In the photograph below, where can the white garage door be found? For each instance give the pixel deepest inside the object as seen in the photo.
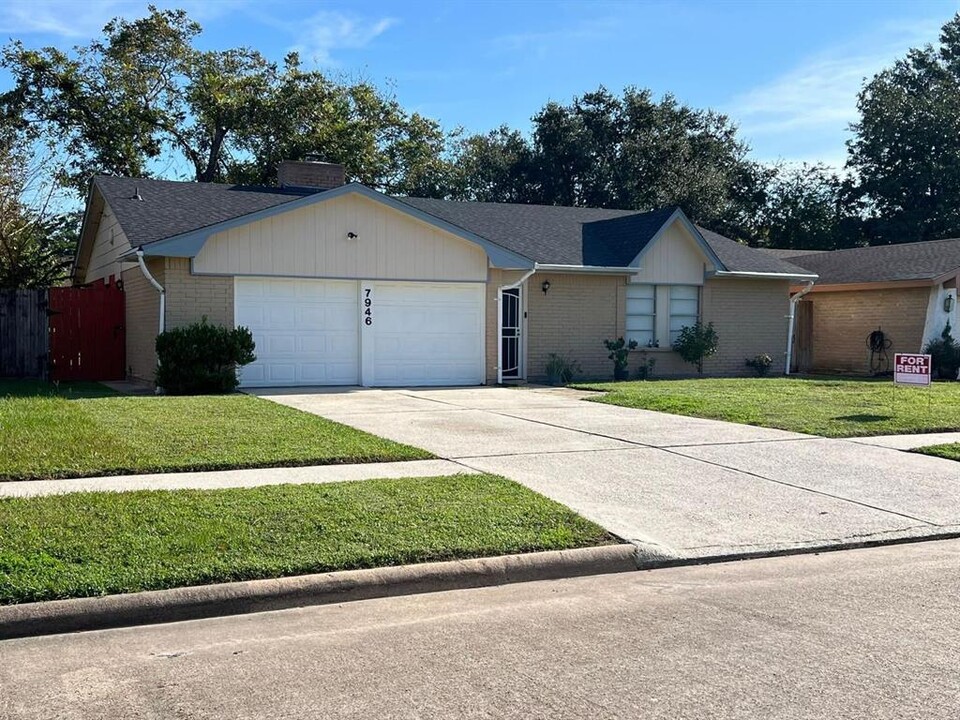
(306, 331)
(422, 333)
(379, 334)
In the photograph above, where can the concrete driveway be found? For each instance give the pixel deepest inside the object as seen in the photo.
(684, 487)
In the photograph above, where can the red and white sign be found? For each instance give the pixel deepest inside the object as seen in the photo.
(912, 369)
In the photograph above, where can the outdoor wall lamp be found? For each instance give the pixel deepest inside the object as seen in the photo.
(948, 302)
(545, 285)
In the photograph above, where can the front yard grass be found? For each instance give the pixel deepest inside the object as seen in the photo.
(48, 434)
(830, 406)
(950, 451)
(87, 544)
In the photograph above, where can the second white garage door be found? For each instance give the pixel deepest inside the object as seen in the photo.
(379, 334)
(422, 334)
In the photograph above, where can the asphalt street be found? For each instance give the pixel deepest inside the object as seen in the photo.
(854, 634)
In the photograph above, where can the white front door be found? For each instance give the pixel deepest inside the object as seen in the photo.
(305, 331)
(422, 333)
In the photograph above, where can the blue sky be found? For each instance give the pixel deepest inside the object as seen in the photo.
(786, 72)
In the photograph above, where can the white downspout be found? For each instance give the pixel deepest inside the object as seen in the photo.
(153, 281)
(500, 290)
(793, 314)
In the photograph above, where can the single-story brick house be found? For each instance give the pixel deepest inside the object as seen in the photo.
(343, 285)
(907, 291)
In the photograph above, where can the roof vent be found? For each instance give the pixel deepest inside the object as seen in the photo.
(310, 173)
(136, 193)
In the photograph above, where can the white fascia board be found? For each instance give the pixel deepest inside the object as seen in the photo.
(771, 275)
(587, 269)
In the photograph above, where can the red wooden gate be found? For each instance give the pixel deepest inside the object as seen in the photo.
(87, 339)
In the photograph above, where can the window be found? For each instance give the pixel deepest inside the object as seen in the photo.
(684, 308)
(641, 314)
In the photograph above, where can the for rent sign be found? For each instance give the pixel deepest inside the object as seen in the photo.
(912, 369)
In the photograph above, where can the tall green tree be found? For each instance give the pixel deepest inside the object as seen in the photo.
(629, 151)
(806, 209)
(143, 93)
(906, 145)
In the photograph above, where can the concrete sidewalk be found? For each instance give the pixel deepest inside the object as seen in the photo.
(909, 442)
(688, 487)
(233, 478)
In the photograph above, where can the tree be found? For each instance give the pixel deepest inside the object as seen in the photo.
(906, 144)
(36, 245)
(805, 209)
(696, 343)
(629, 151)
(144, 93)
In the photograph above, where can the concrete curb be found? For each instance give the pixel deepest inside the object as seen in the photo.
(204, 601)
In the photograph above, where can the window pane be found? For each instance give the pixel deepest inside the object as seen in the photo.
(684, 307)
(640, 322)
(640, 306)
(640, 291)
(684, 292)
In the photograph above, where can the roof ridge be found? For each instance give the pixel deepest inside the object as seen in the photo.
(912, 243)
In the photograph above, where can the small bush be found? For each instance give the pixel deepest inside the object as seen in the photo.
(945, 355)
(620, 354)
(202, 359)
(760, 364)
(696, 343)
(561, 370)
(645, 367)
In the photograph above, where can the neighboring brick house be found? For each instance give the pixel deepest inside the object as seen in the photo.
(906, 291)
(343, 285)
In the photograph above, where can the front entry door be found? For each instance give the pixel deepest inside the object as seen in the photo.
(511, 319)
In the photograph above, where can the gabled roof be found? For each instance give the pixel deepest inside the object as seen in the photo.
(175, 218)
(170, 208)
(885, 263)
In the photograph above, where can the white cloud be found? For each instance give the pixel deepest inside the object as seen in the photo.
(818, 98)
(84, 20)
(320, 35)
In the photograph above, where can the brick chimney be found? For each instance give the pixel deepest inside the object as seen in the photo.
(310, 173)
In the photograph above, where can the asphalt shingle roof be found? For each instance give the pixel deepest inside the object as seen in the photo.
(169, 208)
(547, 234)
(884, 263)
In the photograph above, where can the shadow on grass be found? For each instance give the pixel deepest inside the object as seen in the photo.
(864, 418)
(40, 389)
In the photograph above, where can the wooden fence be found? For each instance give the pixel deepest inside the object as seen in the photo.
(24, 340)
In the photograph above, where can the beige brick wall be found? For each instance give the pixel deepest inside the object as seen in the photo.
(750, 317)
(843, 320)
(573, 319)
(190, 297)
(581, 311)
(142, 309)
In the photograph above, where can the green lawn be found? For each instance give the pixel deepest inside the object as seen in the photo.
(86, 544)
(950, 451)
(46, 434)
(831, 407)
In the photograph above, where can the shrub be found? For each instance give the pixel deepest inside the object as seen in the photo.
(645, 368)
(696, 343)
(760, 363)
(944, 352)
(620, 354)
(561, 370)
(202, 359)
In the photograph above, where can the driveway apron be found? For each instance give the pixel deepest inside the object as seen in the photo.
(683, 487)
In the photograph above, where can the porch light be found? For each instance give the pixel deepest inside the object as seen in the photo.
(948, 302)
(545, 285)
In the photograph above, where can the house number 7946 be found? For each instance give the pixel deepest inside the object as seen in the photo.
(367, 307)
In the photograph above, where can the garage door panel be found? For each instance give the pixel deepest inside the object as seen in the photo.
(426, 334)
(305, 330)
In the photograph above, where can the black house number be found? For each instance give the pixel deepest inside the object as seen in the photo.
(367, 307)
